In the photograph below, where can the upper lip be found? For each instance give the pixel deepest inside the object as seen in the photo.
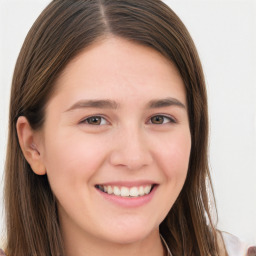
(128, 183)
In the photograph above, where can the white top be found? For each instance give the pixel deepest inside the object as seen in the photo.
(233, 245)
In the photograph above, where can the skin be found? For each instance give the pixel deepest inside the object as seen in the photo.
(128, 144)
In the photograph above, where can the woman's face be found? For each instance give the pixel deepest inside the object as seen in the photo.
(116, 141)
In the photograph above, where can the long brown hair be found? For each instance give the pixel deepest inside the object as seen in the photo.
(60, 33)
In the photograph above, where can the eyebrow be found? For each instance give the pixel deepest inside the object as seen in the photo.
(94, 104)
(160, 103)
(110, 104)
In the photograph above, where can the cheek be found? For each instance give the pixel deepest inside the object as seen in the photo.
(174, 156)
(73, 157)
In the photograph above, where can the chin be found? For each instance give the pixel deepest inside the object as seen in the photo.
(127, 234)
(129, 238)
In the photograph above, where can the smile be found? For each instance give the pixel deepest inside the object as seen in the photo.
(136, 191)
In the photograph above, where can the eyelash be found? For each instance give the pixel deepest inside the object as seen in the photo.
(164, 117)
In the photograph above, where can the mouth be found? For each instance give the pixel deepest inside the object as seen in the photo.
(132, 192)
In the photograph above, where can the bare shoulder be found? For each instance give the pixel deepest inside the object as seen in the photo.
(251, 251)
(2, 253)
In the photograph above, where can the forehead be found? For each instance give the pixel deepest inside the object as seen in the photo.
(121, 68)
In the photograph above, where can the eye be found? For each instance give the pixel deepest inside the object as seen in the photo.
(94, 120)
(160, 119)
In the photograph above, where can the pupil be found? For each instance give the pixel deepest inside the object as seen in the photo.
(158, 119)
(94, 120)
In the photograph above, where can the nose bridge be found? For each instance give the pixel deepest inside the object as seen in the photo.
(131, 148)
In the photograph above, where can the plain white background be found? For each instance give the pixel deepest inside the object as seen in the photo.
(225, 35)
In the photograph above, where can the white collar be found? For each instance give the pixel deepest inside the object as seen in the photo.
(166, 246)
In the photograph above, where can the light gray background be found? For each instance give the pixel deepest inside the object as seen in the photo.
(225, 35)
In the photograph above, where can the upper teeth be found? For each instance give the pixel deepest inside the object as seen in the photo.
(125, 191)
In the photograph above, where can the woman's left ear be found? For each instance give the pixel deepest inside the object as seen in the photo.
(29, 141)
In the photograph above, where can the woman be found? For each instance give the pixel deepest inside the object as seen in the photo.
(108, 135)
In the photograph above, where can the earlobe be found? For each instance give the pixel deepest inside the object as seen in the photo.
(29, 146)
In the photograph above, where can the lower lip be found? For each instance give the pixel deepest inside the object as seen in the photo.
(129, 201)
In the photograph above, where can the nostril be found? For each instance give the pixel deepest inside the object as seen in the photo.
(131, 156)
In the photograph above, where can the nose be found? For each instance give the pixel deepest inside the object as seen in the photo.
(131, 149)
